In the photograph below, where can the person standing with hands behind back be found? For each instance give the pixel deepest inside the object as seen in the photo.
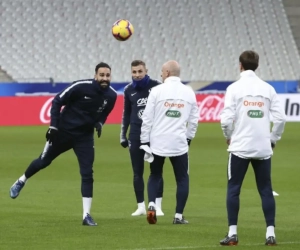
(245, 121)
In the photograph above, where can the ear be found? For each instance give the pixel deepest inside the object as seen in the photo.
(241, 67)
(146, 71)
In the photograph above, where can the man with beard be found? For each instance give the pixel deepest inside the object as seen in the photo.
(135, 99)
(87, 104)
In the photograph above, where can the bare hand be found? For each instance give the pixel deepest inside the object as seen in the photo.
(228, 141)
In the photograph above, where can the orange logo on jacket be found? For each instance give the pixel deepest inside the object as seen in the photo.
(258, 104)
(174, 105)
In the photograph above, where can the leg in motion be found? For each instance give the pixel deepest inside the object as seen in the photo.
(50, 152)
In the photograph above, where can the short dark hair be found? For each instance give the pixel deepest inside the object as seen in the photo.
(137, 63)
(102, 65)
(249, 60)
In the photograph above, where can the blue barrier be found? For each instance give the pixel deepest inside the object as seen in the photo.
(38, 89)
(281, 87)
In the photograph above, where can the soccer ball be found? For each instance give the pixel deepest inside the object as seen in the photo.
(122, 30)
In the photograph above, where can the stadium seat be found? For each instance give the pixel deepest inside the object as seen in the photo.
(66, 39)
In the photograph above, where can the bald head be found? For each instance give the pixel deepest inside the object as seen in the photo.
(170, 68)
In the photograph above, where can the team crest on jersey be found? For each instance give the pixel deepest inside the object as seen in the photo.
(140, 113)
(102, 107)
(142, 101)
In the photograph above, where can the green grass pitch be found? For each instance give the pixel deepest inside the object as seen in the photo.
(48, 212)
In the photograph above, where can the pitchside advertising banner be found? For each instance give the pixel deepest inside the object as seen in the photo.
(31, 110)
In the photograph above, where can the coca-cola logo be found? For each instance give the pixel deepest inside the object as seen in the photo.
(45, 111)
(210, 107)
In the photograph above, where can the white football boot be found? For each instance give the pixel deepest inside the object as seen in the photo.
(140, 211)
(159, 212)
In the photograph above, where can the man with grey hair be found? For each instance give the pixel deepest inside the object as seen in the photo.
(170, 122)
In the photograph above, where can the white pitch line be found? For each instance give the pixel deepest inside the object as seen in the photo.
(211, 246)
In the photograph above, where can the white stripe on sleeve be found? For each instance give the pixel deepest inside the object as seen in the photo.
(113, 89)
(73, 85)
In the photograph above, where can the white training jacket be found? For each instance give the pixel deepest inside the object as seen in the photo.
(170, 117)
(245, 119)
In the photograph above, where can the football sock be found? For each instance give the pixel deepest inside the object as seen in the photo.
(87, 203)
(178, 216)
(158, 202)
(141, 205)
(151, 204)
(270, 231)
(23, 178)
(232, 230)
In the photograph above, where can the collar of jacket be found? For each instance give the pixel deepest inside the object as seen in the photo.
(247, 73)
(98, 87)
(172, 79)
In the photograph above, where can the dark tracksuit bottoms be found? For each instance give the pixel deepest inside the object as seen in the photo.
(137, 162)
(83, 147)
(181, 170)
(236, 171)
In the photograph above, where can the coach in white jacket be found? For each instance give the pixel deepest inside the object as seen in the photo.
(170, 122)
(245, 121)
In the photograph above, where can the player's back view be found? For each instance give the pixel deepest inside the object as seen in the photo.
(253, 101)
(170, 122)
(245, 121)
(173, 106)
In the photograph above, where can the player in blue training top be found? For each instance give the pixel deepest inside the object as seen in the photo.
(87, 104)
(135, 99)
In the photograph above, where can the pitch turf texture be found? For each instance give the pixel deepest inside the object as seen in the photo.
(48, 212)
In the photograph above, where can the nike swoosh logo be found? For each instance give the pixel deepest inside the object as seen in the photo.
(86, 97)
(133, 94)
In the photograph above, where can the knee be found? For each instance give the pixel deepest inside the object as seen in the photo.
(182, 179)
(138, 171)
(86, 174)
(183, 183)
(137, 175)
(234, 190)
(157, 176)
(265, 191)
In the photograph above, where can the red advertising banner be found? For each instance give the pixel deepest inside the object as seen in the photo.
(35, 110)
(210, 107)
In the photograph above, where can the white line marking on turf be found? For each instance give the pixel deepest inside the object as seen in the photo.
(211, 246)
